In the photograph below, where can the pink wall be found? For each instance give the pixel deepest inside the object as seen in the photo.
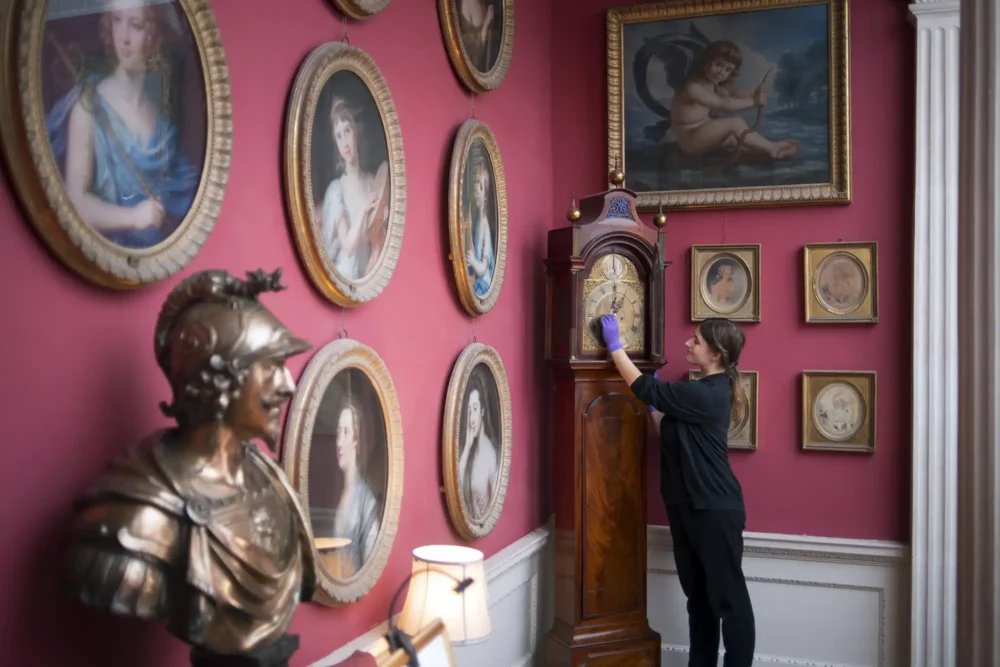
(80, 382)
(787, 490)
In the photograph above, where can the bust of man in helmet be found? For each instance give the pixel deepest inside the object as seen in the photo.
(196, 525)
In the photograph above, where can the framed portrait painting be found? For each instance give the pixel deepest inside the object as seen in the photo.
(343, 453)
(725, 282)
(730, 103)
(477, 217)
(742, 425)
(479, 37)
(476, 445)
(345, 174)
(838, 411)
(361, 9)
(117, 130)
(841, 282)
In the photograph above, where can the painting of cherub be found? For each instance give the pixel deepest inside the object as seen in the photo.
(126, 114)
(712, 102)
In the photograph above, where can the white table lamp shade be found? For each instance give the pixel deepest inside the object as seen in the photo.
(437, 570)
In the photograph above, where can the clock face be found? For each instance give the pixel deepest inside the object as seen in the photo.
(613, 286)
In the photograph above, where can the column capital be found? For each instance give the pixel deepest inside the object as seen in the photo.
(935, 10)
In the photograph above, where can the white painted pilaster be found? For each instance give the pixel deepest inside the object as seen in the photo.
(934, 517)
(979, 339)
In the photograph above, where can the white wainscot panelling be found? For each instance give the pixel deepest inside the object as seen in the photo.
(519, 580)
(818, 602)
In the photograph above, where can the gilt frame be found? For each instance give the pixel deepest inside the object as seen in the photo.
(865, 385)
(360, 10)
(477, 82)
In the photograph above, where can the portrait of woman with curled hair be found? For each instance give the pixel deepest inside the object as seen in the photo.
(479, 433)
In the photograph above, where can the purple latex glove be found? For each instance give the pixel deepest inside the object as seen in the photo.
(650, 409)
(609, 330)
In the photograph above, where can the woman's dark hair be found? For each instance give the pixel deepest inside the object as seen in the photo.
(726, 339)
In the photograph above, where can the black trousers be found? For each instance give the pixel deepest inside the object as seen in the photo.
(708, 549)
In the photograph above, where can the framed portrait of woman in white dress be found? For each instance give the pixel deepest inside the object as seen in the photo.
(117, 130)
(477, 217)
(345, 175)
(476, 444)
(343, 453)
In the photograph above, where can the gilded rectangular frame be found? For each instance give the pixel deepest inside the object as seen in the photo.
(751, 442)
(421, 640)
(837, 191)
(866, 255)
(863, 442)
(749, 256)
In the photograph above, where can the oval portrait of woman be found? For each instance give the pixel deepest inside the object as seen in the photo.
(345, 174)
(480, 38)
(477, 436)
(726, 284)
(128, 142)
(478, 217)
(840, 283)
(344, 455)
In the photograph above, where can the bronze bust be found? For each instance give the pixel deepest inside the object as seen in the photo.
(196, 525)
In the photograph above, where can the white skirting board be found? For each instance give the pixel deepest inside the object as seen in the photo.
(519, 581)
(818, 602)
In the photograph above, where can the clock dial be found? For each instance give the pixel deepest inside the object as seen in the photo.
(625, 301)
(614, 267)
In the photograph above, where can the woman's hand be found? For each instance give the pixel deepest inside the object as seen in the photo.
(149, 213)
(609, 330)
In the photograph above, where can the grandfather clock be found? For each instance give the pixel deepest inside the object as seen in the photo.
(605, 261)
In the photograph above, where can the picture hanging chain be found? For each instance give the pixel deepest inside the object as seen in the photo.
(472, 97)
(343, 329)
(474, 329)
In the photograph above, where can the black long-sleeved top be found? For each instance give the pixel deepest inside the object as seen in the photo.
(694, 454)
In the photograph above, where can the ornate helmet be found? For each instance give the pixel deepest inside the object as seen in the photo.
(211, 329)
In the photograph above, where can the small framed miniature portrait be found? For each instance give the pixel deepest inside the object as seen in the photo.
(841, 282)
(360, 10)
(838, 411)
(742, 425)
(725, 282)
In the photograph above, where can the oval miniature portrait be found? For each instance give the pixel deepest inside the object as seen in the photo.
(343, 454)
(480, 39)
(739, 422)
(478, 217)
(726, 283)
(840, 283)
(476, 447)
(839, 411)
(344, 174)
(361, 9)
(128, 131)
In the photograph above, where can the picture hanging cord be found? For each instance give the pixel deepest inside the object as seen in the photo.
(345, 40)
(474, 329)
(343, 329)
(472, 98)
(725, 227)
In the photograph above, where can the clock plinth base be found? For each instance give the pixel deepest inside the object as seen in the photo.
(635, 652)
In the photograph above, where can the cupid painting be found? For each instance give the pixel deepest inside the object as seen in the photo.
(727, 101)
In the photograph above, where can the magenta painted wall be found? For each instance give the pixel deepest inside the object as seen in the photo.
(79, 379)
(787, 490)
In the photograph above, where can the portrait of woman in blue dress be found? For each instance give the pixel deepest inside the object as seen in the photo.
(114, 133)
(480, 219)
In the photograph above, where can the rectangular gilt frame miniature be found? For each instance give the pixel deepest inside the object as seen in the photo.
(863, 439)
(859, 256)
(746, 439)
(429, 643)
(747, 259)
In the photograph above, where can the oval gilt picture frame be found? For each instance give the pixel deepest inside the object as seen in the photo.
(477, 218)
(343, 454)
(361, 9)
(119, 152)
(476, 444)
(343, 144)
(479, 38)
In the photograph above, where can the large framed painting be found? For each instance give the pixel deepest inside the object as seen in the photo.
(477, 217)
(343, 453)
(345, 174)
(743, 424)
(361, 9)
(476, 443)
(117, 130)
(838, 411)
(479, 37)
(730, 103)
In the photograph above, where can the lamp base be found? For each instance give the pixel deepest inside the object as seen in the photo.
(641, 652)
(275, 655)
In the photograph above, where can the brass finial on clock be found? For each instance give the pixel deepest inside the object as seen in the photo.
(660, 219)
(573, 214)
(616, 176)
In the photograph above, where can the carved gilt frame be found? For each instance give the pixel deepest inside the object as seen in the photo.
(476, 81)
(837, 191)
(471, 131)
(461, 517)
(360, 9)
(324, 61)
(319, 373)
(35, 174)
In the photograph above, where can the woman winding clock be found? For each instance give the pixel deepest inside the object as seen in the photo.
(703, 497)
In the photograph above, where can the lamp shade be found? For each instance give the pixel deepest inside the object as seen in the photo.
(437, 570)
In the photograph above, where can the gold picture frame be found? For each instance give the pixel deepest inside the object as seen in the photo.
(432, 645)
(476, 154)
(841, 282)
(170, 199)
(481, 67)
(839, 411)
(477, 377)
(340, 85)
(701, 176)
(725, 282)
(360, 9)
(743, 429)
(340, 390)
